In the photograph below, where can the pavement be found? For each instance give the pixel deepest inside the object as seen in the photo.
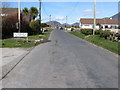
(11, 57)
(65, 62)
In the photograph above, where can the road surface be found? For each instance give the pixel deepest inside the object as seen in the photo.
(65, 62)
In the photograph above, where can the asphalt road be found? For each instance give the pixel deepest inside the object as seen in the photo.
(65, 62)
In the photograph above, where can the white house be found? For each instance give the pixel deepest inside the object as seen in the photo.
(109, 23)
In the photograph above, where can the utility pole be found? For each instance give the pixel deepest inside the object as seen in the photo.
(94, 26)
(50, 20)
(19, 24)
(40, 13)
(66, 22)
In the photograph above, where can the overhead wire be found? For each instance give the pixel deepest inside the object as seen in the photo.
(70, 13)
(44, 9)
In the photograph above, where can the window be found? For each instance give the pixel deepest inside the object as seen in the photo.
(86, 25)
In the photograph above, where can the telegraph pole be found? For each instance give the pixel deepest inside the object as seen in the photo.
(66, 22)
(94, 26)
(50, 20)
(40, 13)
(19, 24)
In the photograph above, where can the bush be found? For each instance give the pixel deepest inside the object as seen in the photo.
(97, 32)
(117, 35)
(87, 31)
(35, 26)
(105, 34)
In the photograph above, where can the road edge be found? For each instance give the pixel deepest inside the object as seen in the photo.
(6, 69)
(96, 45)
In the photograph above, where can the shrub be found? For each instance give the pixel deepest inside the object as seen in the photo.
(105, 34)
(87, 31)
(97, 32)
(35, 26)
(117, 35)
(44, 25)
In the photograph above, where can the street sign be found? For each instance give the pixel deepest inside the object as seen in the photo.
(20, 35)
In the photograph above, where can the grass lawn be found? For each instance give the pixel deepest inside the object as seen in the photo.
(97, 40)
(107, 44)
(36, 36)
(11, 43)
(80, 35)
(16, 43)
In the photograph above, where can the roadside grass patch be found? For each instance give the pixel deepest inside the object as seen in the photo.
(36, 36)
(78, 34)
(97, 40)
(14, 42)
(0, 43)
(107, 44)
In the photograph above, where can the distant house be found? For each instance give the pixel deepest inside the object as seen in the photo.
(109, 23)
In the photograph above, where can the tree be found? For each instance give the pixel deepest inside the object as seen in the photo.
(35, 26)
(25, 11)
(33, 13)
(44, 25)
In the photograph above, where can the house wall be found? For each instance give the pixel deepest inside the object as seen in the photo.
(88, 27)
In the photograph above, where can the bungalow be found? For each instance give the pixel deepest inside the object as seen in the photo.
(109, 23)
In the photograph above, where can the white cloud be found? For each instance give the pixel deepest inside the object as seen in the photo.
(77, 19)
(58, 18)
(77, 9)
(88, 11)
(46, 18)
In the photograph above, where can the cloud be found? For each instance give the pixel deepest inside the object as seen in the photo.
(77, 19)
(88, 11)
(77, 9)
(58, 18)
(45, 18)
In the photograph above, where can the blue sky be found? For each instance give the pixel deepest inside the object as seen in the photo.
(74, 10)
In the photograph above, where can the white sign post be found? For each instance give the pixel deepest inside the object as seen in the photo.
(21, 35)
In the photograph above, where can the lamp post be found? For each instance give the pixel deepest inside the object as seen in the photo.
(94, 26)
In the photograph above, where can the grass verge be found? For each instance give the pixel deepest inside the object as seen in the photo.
(21, 42)
(78, 34)
(97, 40)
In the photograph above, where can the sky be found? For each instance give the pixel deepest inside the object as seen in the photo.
(74, 10)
